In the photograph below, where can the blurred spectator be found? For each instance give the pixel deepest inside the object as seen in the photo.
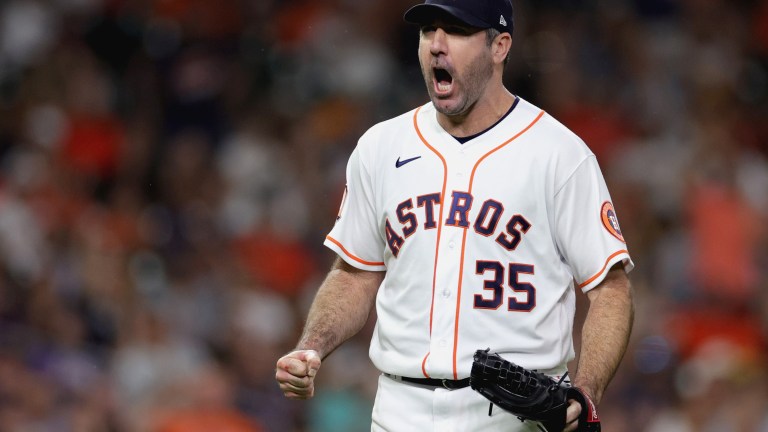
(201, 404)
(148, 365)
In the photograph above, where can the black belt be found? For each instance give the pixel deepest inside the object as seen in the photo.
(434, 382)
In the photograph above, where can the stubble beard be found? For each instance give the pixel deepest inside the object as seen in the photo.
(472, 84)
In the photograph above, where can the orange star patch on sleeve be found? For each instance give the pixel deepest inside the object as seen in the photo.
(610, 221)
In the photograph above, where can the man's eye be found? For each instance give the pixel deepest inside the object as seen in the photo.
(456, 30)
(427, 29)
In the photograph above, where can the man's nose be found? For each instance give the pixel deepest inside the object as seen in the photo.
(438, 45)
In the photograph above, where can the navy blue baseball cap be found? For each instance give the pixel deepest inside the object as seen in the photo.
(476, 13)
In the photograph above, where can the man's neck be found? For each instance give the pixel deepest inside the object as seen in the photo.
(485, 112)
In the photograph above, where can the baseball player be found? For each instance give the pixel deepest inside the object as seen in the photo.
(469, 223)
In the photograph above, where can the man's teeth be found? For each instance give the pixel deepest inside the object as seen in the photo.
(443, 86)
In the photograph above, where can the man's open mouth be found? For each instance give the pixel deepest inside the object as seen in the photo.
(443, 80)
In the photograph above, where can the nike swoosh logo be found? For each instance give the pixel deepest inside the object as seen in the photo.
(399, 163)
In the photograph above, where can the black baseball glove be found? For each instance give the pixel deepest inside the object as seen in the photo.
(528, 394)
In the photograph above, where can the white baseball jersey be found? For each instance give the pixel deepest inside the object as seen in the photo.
(482, 242)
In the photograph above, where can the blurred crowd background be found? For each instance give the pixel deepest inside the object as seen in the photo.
(169, 169)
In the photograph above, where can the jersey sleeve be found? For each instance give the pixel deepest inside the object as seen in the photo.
(588, 234)
(355, 236)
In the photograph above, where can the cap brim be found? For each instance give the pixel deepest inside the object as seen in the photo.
(422, 14)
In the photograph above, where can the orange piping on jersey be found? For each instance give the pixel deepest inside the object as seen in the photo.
(440, 217)
(464, 240)
(347, 253)
(424, 365)
(472, 177)
(588, 281)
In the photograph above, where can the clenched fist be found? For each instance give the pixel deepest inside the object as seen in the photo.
(296, 373)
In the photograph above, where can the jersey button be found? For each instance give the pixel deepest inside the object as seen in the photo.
(451, 245)
(446, 293)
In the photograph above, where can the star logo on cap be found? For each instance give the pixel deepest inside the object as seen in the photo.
(502, 21)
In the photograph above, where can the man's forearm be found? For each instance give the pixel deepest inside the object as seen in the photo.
(605, 333)
(340, 308)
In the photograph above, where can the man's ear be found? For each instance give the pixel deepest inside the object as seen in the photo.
(500, 47)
